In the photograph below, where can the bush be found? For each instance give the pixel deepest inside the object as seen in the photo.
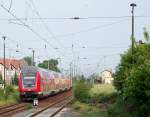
(103, 93)
(124, 108)
(1, 79)
(8, 95)
(81, 91)
(133, 83)
(15, 79)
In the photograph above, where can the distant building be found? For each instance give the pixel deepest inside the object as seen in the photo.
(12, 66)
(107, 77)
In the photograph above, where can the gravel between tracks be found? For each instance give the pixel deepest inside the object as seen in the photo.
(43, 103)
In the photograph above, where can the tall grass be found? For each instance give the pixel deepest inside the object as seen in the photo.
(9, 95)
(87, 110)
(93, 100)
(98, 89)
(81, 91)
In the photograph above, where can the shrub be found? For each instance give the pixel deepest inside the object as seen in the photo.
(133, 83)
(81, 91)
(15, 79)
(8, 95)
(1, 79)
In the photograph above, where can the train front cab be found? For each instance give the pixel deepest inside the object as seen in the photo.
(29, 85)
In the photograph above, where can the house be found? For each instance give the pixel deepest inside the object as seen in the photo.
(107, 76)
(12, 66)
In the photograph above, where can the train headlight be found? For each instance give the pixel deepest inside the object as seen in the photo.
(39, 93)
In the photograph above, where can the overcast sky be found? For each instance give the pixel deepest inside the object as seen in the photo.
(99, 40)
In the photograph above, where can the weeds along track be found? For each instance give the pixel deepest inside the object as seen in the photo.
(6, 111)
(58, 101)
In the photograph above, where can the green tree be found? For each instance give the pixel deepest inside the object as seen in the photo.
(28, 60)
(124, 69)
(51, 64)
(1, 79)
(132, 80)
(15, 79)
(146, 35)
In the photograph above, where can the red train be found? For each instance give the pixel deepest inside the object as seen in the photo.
(35, 82)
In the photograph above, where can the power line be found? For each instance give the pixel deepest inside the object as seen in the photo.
(99, 62)
(11, 1)
(28, 27)
(43, 22)
(73, 18)
(93, 28)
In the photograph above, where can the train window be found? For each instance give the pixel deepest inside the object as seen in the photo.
(56, 75)
(63, 76)
(29, 71)
(29, 81)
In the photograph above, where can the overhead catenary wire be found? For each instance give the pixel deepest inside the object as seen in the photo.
(21, 24)
(11, 1)
(28, 27)
(93, 28)
(43, 22)
(99, 62)
(74, 18)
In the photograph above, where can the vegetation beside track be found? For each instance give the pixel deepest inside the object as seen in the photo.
(9, 95)
(87, 110)
(93, 100)
(132, 81)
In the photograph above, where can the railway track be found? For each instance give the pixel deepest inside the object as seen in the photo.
(57, 101)
(61, 106)
(58, 104)
(6, 111)
(54, 107)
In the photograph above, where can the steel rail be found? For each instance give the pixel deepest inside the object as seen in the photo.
(57, 111)
(49, 106)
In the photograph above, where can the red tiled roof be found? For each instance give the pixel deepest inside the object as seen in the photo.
(13, 62)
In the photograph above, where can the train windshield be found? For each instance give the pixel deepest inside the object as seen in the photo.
(29, 81)
(29, 76)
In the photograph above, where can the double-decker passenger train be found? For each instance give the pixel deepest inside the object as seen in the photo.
(35, 82)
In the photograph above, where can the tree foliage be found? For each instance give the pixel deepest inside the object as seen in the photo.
(127, 66)
(146, 35)
(15, 79)
(28, 60)
(132, 79)
(1, 79)
(51, 64)
(81, 90)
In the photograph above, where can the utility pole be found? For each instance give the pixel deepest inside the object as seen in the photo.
(33, 58)
(70, 69)
(132, 37)
(4, 61)
(72, 61)
(104, 62)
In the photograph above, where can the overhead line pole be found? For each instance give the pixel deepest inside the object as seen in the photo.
(4, 38)
(132, 36)
(33, 58)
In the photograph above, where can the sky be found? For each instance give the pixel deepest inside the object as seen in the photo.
(92, 43)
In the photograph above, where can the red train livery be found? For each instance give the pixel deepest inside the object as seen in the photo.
(35, 82)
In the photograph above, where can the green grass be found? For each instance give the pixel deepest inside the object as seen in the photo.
(7, 102)
(10, 96)
(93, 114)
(83, 107)
(29, 106)
(100, 95)
(102, 89)
(87, 110)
